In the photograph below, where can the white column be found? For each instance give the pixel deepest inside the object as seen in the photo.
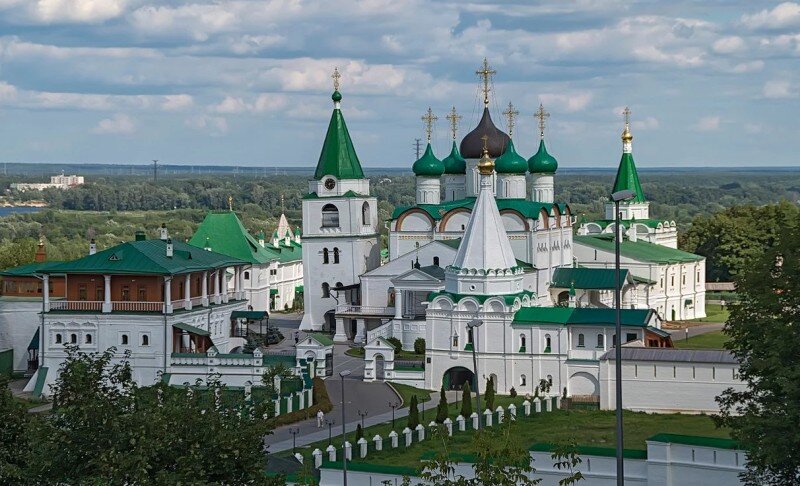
(398, 304)
(341, 334)
(361, 331)
(167, 295)
(242, 293)
(236, 283)
(107, 293)
(187, 292)
(223, 278)
(46, 292)
(205, 289)
(216, 286)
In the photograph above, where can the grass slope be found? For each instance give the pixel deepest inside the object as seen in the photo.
(710, 340)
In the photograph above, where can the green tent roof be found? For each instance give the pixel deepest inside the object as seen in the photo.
(192, 329)
(587, 278)
(428, 164)
(542, 162)
(145, 257)
(321, 338)
(584, 316)
(529, 209)
(628, 178)
(510, 162)
(455, 163)
(639, 250)
(338, 157)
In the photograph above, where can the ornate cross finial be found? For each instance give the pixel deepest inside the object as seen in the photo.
(336, 76)
(510, 114)
(627, 114)
(486, 73)
(542, 116)
(230, 203)
(485, 139)
(282, 210)
(454, 118)
(429, 118)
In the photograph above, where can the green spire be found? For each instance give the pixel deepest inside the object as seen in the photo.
(455, 163)
(542, 162)
(510, 162)
(338, 157)
(428, 164)
(628, 178)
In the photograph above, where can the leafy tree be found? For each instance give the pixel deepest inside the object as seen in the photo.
(413, 413)
(763, 335)
(13, 437)
(544, 386)
(419, 346)
(398, 346)
(466, 401)
(513, 392)
(566, 457)
(441, 409)
(489, 394)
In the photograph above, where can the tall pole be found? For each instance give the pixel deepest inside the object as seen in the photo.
(618, 345)
(342, 374)
(417, 146)
(475, 369)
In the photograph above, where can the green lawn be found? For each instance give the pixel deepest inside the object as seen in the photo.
(710, 340)
(714, 314)
(407, 391)
(401, 355)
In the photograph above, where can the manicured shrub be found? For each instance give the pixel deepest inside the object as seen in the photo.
(419, 346)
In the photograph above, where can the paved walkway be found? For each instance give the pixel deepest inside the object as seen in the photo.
(696, 330)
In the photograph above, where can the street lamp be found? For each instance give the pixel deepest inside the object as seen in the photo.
(294, 431)
(394, 405)
(330, 423)
(473, 326)
(362, 415)
(617, 197)
(342, 374)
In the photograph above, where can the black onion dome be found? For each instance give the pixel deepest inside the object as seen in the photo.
(472, 144)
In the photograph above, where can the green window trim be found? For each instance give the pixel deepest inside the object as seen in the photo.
(522, 349)
(547, 349)
(468, 347)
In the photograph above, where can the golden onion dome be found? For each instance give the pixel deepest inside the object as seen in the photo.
(627, 136)
(486, 164)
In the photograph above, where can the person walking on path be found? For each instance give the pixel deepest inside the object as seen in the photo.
(320, 419)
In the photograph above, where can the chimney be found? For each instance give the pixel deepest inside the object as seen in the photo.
(169, 248)
(92, 247)
(261, 239)
(207, 246)
(140, 236)
(287, 241)
(297, 235)
(41, 254)
(163, 233)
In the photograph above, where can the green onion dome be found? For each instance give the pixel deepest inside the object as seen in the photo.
(510, 162)
(455, 163)
(542, 162)
(336, 96)
(428, 164)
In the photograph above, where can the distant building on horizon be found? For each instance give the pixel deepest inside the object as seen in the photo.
(60, 181)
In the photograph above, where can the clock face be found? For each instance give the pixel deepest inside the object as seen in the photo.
(330, 184)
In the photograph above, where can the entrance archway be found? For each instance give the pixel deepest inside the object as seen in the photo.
(379, 367)
(330, 322)
(455, 377)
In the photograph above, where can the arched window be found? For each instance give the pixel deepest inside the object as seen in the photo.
(330, 216)
(335, 255)
(247, 275)
(600, 341)
(87, 339)
(365, 213)
(469, 335)
(59, 339)
(550, 379)
(436, 261)
(73, 338)
(455, 341)
(547, 343)
(326, 290)
(124, 340)
(325, 256)
(522, 380)
(522, 343)
(581, 341)
(145, 340)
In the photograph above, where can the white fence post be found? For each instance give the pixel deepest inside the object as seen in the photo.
(449, 424)
(526, 407)
(378, 442)
(299, 457)
(362, 444)
(549, 404)
(331, 453)
(420, 432)
(500, 414)
(317, 458)
(475, 419)
(461, 421)
(407, 433)
(348, 451)
(537, 404)
(512, 411)
(488, 415)
(393, 437)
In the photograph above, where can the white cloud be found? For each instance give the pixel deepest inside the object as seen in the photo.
(213, 125)
(118, 124)
(780, 89)
(177, 102)
(708, 123)
(728, 45)
(65, 11)
(748, 67)
(649, 123)
(566, 102)
(8, 92)
(787, 14)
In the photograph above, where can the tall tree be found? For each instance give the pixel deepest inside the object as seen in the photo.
(466, 401)
(764, 332)
(489, 394)
(413, 413)
(441, 409)
(13, 437)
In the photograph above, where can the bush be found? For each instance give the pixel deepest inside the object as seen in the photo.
(359, 432)
(513, 392)
(419, 346)
(413, 413)
(441, 409)
(489, 394)
(466, 401)
(321, 402)
(398, 346)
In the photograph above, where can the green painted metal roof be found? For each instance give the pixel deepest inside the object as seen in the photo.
(27, 270)
(338, 157)
(314, 195)
(628, 178)
(639, 250)
(455, 163)
(625, 223)
(145, 257)
(321, 338)
(716, 442)
(249, 314)
(192, 329)
(510, 162)
(584, 316)
(542, 162)
(428, 164)
(587, 278)
(529, 209)
(509, 299)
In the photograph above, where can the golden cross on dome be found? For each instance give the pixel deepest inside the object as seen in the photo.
(485, 139)
(454, 118)
(542, 116)
(486, 73)
(510, 114)
(336, 76)
(627, 114)
(429, 118)
(230, 203)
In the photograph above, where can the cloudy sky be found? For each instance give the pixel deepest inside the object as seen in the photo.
(247, 82)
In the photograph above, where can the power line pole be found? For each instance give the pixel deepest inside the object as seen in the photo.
(155, 171)
(418, 147)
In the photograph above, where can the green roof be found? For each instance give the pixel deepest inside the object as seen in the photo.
(509, 299)
(639, 250)
(510, 162)
(587, 278)
(322, 338)
(625, 223)
(249, 314)
(145, 257)
(584, 316)
(455, 163)
(592, 451)
(694, 440)
(192, 329)
(529, 209)
(338, 157)
(314, 195)
(27, 270)
(428, 164)
(628, 178)
(542, 162)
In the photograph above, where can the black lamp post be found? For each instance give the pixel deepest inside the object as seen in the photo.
(330, 423)
(294, 431)
(617, 197)
(474, 325)
(394, 405)
(362, 415)
(342, 374)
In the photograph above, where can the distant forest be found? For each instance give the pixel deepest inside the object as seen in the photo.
(112, 208)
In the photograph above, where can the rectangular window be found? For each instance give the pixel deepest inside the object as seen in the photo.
(141, 294)
(672, 281)
(126, 293)
(631, 336)
(655, 371)
(455, 341)
(82, 292)
(99, 292)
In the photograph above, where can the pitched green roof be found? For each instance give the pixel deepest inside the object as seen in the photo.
(27, 270)
(338, 157)
(509, 299)
(529, 209)
(628, 178)
(587, 278)
(321, 338)
(510, 162)
(455, 163)
(625, 223)
(542, 162)
(639, 250)
(584, 316)
(428, 164)
(145, 257)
